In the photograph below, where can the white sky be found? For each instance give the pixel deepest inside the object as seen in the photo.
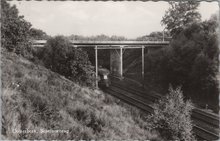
(129, 19)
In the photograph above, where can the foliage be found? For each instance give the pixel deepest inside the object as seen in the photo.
(157, 68)
(14, 30)
(203, 78)
(155, 36)
(191, 61)
(73, 63)
(196, 44)
(171, 117)
(101, 37)
(179, 15)
(38, 34)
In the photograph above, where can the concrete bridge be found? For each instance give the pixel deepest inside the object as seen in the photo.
(116, 48)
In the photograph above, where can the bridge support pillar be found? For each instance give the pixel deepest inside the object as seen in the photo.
(96, 67)
(121, 62)
(142, 65)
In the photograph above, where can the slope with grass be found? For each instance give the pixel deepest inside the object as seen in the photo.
(37, 99)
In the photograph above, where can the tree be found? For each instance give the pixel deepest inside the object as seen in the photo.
(191, 61)
(101, 37)
(203, 78)
(180, 15)
(172, 117)
(194, 61)
(38, 34)
(56, 53)
(154, 36)
(14, 29)
(117, 38)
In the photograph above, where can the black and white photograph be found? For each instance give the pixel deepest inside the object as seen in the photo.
(110, 70)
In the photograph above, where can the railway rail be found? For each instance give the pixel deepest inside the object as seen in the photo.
(206, 117)
(144, 102)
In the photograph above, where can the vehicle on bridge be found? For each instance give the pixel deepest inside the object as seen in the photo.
(104, 81)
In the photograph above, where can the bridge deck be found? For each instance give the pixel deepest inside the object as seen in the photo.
(109, 44)
(120, 42)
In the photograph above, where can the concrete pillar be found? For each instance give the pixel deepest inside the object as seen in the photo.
(121, 62)
(96, 66)
(143, 65)
(142, 61)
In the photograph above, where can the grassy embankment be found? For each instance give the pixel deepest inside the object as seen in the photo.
(35, 98)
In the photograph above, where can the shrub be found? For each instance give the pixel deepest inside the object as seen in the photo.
(73, 63)
(171, 117)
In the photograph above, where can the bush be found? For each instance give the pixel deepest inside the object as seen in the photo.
(172, 117)
(73, 63)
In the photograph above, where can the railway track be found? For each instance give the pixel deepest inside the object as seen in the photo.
(144, 102)
(206, 117)
(212, 120)
(204, 134)
(141, 105)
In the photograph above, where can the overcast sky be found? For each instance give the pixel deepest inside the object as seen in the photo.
(129, 19)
